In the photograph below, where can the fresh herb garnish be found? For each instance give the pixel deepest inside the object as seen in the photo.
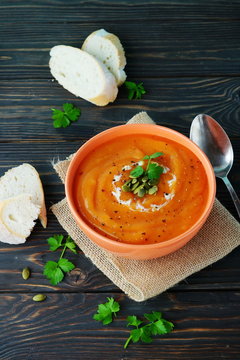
(144, 181)
(55, 271)
(64, 118)
(154, 171)
(156, 326)
(106, 310)
(135, 173)
(135, 91)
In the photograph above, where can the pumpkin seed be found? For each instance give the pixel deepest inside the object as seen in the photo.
(146, 186)
(135, 186)
(141, 192)
(26, 273)
(152, 182)
(129, 182)
(126, 188)
(39, 297)
(134, 181)
(144, 179)
(138, 188)
(153, 190)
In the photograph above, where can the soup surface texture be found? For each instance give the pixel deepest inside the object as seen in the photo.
(125, 217)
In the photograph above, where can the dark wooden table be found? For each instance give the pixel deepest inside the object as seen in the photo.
(187, 53)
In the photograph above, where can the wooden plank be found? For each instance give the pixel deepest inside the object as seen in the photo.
(40, 155)
(224, 274)
(26, 107)
(85, 11)
(62, 327)
(34, 253)
(179, 48)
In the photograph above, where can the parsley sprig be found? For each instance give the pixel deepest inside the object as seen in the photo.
(144, 181)
(55, 271)
(106, 311)
(156, 326)
(135, 91)
(64, 118)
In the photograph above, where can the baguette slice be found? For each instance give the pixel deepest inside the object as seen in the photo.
(17, 216)
(24, 179)
(83, 75)
(107, 48)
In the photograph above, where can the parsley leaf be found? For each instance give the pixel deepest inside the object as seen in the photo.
(138, 171)
(55, 242)
(55, 271)
(154, 171)
(153, 156)
(106, 310)
(133, 320)
(156, 326)
(71, 245)
(64, 118)
(65, 265)
(135, 91)
(155, 315)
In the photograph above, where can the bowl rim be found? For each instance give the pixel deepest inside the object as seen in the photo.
(192, 230)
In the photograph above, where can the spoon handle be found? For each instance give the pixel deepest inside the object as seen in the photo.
(233, 194)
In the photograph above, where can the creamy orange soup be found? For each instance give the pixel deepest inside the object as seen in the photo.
(123, 216)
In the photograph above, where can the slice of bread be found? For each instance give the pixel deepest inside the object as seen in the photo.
(24, 179)
(17, 216)
(107, 48)
(83, 75)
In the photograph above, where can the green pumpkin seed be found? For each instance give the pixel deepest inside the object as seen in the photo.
(153, 190)
(138, 188)
(152, 182)
(146, 186)
(141, 192)
(39, 297)
(128, 182)
(26, 273)
(144, 179)
(126, 188)
(135, 186)
(133, 181)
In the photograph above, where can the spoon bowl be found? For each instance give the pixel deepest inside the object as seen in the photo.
(213, 140)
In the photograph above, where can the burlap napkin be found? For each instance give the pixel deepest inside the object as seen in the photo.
(143, 279)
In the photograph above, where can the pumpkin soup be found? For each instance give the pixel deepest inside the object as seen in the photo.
(108, 188)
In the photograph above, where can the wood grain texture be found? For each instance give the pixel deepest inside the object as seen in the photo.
(62, 11)
(160, 49)
(56, 328)
(223, 275)
(26, 107)
(187, 53)
(41, 154)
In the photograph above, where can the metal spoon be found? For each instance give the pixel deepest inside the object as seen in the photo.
(212, 139)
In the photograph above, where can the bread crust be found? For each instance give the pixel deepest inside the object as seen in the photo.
(119, 51)
(115, 41)
(100, 100)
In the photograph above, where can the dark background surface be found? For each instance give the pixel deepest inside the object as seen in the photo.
(187, 53)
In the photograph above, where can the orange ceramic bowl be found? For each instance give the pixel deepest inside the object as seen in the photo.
(138, 251)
